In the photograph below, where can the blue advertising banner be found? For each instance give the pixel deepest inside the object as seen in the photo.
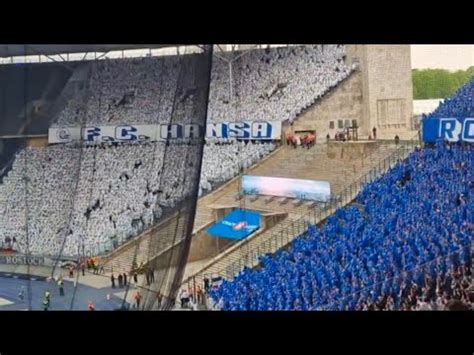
(451, 129)
(283, 187)
(236, 225)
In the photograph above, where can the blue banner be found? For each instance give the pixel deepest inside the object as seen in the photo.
(236, 225)
(450, 129)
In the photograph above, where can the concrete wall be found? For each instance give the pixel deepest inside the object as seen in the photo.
(345, 102)
(378, 94)
(390, 86)
(205, 246)
(387, 87)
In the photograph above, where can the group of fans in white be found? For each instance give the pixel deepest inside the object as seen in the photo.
(122, 189)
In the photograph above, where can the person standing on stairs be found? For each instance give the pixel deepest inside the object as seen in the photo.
(159, 298)
(95, 265)
(124, 279)
(21, 294)
(138, 298)
(199, 295)
(112, 279)
(374, 132)
(46, 300)
(297, 141)
(61, 287)
(120, 280)
(135, 278)
(184, 297)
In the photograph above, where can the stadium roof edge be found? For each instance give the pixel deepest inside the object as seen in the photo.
(14, 50)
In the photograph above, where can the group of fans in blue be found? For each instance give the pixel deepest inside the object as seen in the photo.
(461, 104)
(407, 245)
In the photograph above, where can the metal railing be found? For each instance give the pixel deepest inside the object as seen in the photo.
(281, 238)
(111, 244)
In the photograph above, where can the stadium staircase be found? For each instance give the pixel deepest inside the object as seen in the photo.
(335, 162)
(347, 177)
(151, 243)
(161, 238)
(123, 257)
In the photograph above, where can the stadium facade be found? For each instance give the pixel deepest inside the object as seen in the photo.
(120, 193)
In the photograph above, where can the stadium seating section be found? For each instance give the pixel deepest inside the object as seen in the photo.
(119, 189)
(416, 228)
(409, 248)
(461, 104)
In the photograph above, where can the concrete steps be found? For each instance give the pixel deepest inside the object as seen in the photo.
(148, 245)
(317, 163)
(338, 165)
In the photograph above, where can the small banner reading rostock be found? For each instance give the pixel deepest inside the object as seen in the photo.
(264, 130)
(22, 260)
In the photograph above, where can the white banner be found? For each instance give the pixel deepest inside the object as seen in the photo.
(64, 135)
(283, 187)
(265, 130)
(18, 259)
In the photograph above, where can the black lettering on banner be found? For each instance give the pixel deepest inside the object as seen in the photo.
(22, 260)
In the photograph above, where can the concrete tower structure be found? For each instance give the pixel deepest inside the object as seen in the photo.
(378, 94)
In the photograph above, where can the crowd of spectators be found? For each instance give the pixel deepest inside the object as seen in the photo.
(106, 191)
(225, 158)
(274, 84)
(267, 84)
(72, 199)
(409, 248)
(59, 194)
(460, 105)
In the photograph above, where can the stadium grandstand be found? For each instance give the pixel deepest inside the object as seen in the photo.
(377, 253)
(281, 177)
